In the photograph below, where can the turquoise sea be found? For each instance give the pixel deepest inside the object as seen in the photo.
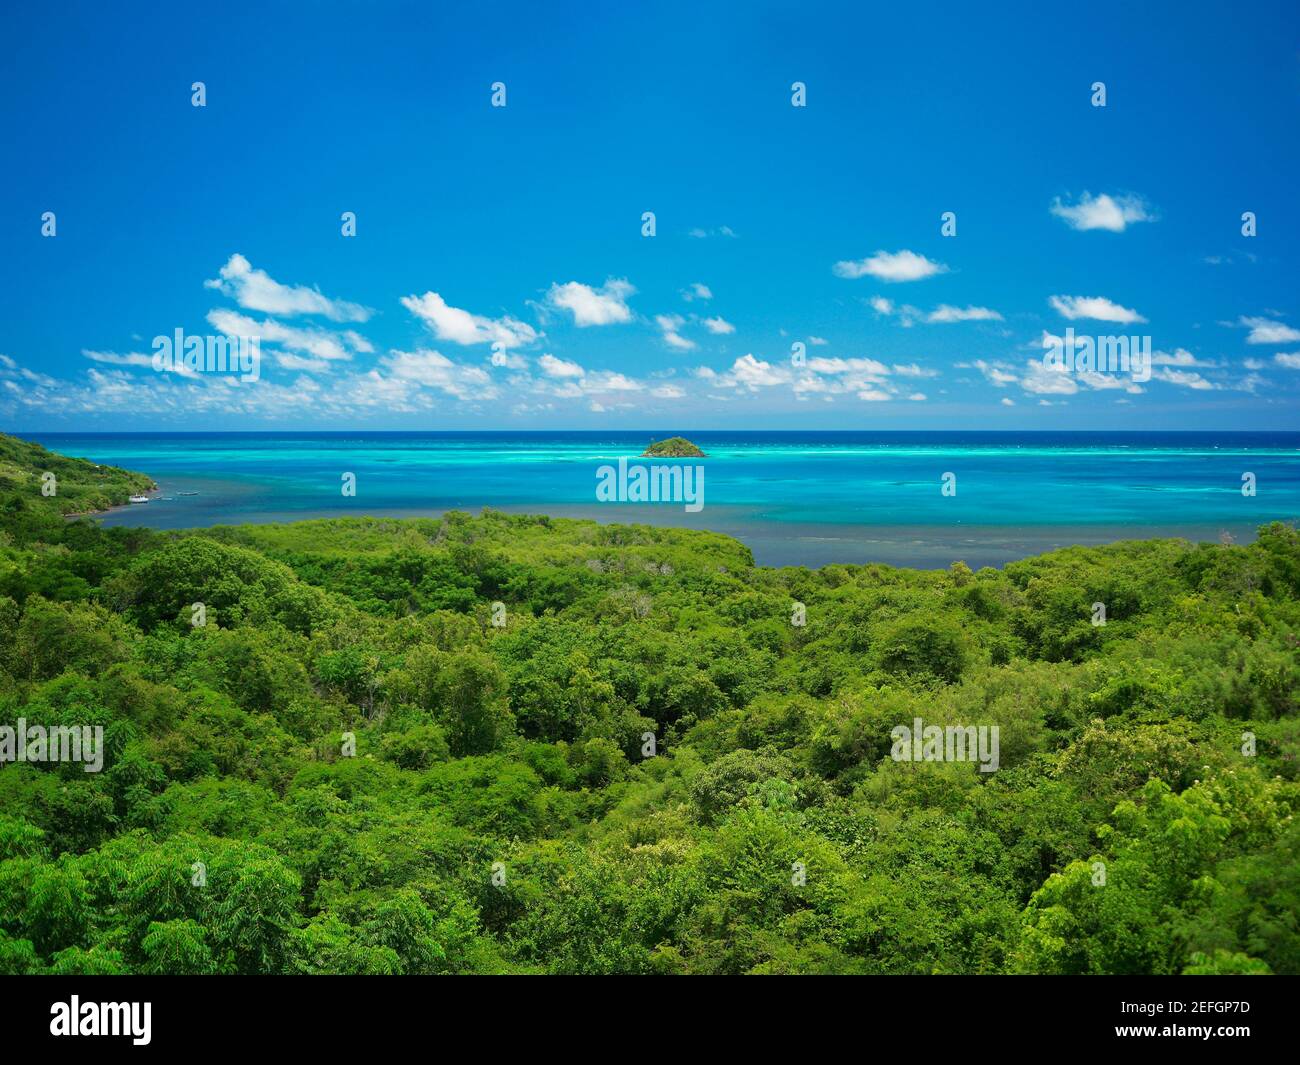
(794, 497)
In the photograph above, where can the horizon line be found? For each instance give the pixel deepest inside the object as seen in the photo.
(607, 432)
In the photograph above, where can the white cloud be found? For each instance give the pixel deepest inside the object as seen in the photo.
(255, 290)
(1007, 401)
(697, 291)
(509, 360)
(610, 381)
(945, 313)
(319, 344)
(917, 397)
(1289, 359)
(667, 392)
(462, 327)
(606, 305)
(818, 342)
(301, 363)
(1041, 381)
(869, 367)
(670, 324)
(1180, 357)
(1113, 214)
(112, 358)
(911, 369)
(887, 266)
(1267, 331)
(553, 367)
(1185, 378)
(721, 327)
(753, 374)
(434, 370)
(1096, 307)
(1104, 382)
(998, 373)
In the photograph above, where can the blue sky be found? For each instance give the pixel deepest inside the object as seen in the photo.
(775, 224)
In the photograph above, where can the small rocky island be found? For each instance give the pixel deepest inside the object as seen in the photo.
(675, 447)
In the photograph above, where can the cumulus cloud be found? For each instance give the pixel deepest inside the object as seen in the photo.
(434, 370)
(509, 360)
(1111, 213)
(320, 346)
(1185, 378)
(945, 313)
(911, 369)
(871, 367)
(908, 315)
(462, 327)
(1041, 381)
(669, 324)
(1267, 331)
(610, 381)
(553, 367)
(255, 290)
(606, 305)
(1095, 307)
(721, 327)
(890, 266)
(997, 373)
(753, 374)
(1179, 357)
(112, 358)
(866, 378)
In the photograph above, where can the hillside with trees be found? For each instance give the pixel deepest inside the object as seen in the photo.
(69, 485)
(508, 743)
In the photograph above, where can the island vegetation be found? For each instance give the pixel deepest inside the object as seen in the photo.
(675, 447)
(508, 743)
(71, 485)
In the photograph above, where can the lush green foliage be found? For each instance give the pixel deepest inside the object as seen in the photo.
(79, 486)
(673, 447)
(500, 814)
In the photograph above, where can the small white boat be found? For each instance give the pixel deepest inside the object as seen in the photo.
(138, 499)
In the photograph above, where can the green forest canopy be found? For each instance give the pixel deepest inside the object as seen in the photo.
(674, 447)
(500, 674)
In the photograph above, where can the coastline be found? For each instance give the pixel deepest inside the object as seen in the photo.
(814, 545)
(805, 499)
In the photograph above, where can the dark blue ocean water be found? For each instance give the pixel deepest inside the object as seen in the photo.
(795, 497)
